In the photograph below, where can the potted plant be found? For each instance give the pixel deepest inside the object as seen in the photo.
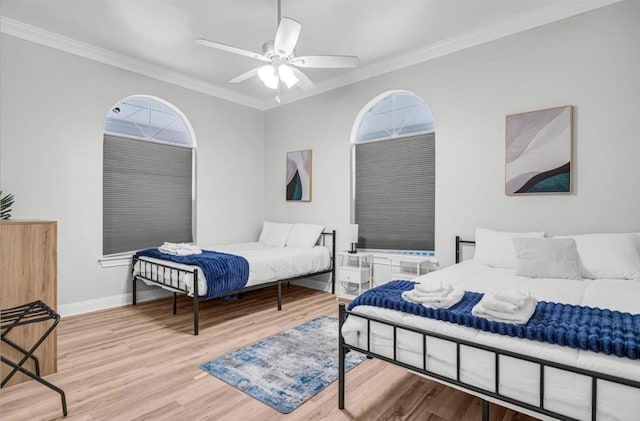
(5, 205)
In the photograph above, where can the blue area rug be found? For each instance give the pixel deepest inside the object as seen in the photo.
(286, 369)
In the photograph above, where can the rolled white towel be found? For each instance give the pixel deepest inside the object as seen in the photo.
(445, 301)
(522, 316)
(433, 288)
(491, 303)
(514, 297)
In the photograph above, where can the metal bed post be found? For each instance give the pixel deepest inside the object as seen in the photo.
(280, 295)
(333, 263)
(459, 242)
(196, 321)
(341, 356)
(175, 304)
(485, 410)
(134, 278)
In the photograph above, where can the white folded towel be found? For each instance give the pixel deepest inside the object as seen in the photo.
(432, 295)
(443, 301)
(521, 316)
(490, 302)
(179, 249)
(433, 288)
(514, 297)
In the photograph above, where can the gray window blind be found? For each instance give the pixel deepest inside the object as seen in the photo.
(395, 193)
(146, 194)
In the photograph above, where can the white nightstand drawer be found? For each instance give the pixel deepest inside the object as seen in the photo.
(353, 275)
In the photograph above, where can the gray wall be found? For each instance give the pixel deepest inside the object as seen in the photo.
(53, 106)
(52, 117)
(590, 61)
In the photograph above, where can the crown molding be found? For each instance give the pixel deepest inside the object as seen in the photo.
(536, 18)
(553, 13)
(50, 39)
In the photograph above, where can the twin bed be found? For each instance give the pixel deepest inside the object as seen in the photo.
(545, 380)
(583, 380)
(272, 261)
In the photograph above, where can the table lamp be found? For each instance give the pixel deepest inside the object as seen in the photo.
(353, 237)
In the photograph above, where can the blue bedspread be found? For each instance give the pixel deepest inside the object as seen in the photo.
(224, 272)
(586, 328)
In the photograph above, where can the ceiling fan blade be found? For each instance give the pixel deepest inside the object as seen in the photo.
(287, 36)
(326, 62)
(244, 76)
(230, 49)
(303, 81)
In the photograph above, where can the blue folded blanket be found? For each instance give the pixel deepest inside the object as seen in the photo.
(580, 327)
(224, 272)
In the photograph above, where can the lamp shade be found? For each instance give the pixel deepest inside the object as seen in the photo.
(353, 233)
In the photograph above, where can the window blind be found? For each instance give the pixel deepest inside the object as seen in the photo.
(147, 196)
(395, 193)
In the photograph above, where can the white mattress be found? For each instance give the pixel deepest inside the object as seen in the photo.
(565, 393)
(266, 264)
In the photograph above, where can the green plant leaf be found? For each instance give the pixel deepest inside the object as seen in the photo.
(5, 205)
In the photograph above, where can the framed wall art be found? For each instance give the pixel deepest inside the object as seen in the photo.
(299, 176)
(539, 151)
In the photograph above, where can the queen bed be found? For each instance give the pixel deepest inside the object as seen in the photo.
(284, 253)
(542, 379)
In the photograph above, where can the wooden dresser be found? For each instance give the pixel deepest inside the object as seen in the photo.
(29, 272)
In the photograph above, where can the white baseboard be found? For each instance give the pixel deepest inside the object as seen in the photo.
(104, 303)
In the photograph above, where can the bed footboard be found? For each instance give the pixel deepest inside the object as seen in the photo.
(495, 394)
(171, 278)
(168, 277)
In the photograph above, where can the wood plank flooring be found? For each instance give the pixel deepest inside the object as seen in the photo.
(141, 363)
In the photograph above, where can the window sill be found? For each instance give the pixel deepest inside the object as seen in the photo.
(116, 260)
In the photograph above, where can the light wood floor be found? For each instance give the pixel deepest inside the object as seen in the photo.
(141, 363)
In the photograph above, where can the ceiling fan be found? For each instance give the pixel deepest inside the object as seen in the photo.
(283, 63)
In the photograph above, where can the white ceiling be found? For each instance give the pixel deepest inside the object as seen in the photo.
(383, 33)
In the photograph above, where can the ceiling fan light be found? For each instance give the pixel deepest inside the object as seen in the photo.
(287, 75)
(267, 74)
(272, 83)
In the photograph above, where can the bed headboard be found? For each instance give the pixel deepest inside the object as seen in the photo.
(460, 242)
(323, 242)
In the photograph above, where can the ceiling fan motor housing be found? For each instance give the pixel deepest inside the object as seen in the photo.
(269, 51)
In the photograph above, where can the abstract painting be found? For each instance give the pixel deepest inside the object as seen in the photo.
(538, 151)
(299, 175)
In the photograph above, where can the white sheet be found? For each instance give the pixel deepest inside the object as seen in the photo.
(266, 264)
(564, 392)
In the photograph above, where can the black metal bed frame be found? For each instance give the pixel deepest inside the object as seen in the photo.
(343, 348)
(165, 273)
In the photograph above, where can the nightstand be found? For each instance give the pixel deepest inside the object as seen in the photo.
(354, 269)
(407, 266)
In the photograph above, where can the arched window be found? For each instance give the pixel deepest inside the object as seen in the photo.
(393, 173)
(148, 175)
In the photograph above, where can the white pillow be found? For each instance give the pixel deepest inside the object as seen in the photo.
(547, 258)
(608, 256)
(304, 235)
(274, 234)
(495, 248)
